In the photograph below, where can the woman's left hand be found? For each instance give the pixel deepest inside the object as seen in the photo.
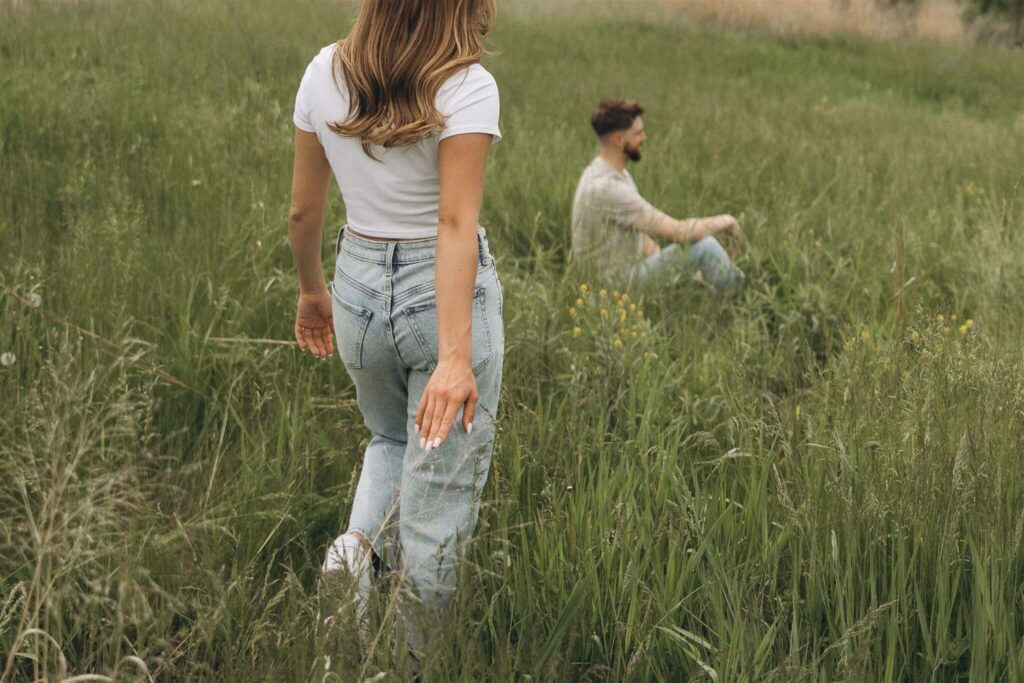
(451, 386)
(314, 323)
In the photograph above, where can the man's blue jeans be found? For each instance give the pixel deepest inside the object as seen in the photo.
(708, 256)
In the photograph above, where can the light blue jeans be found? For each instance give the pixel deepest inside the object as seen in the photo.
(706, 255)
(414, 507)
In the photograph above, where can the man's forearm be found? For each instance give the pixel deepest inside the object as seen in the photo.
(690, 230)
(660, 224)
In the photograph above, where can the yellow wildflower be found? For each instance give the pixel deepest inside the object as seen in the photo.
(914, 336)
(940, 317)
(865, 335)
(797, 412)
(963, 329)
(577, 331)
(973, 189)
(969, 323)
(625, 297)
(583, 288)
(945, 330)
(617, 343)
(579, 302)
(632, 307)
(817, 244)
(604, 312)
(572, 312)
(615, 293)
(603, 293)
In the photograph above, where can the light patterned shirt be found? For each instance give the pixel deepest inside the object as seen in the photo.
(605, 212)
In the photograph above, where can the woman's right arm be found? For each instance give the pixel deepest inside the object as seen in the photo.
(311, 178)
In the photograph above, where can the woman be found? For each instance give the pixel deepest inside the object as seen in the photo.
(404, 115)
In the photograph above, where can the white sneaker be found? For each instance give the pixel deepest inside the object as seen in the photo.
(347, 575)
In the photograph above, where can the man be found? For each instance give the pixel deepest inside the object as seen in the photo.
(613, 225)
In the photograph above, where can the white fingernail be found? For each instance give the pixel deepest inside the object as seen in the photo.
(469, 429)
(423, 442)
(417, 428)
(437, 442)
(430, 445)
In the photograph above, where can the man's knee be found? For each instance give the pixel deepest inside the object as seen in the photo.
(708, 245)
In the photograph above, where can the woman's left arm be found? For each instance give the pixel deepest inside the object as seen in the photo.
(462, 162)
(311, 178)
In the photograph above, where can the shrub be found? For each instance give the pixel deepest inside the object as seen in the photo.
(1011, 10)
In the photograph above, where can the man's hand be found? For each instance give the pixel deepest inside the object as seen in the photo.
(725, 224)
(650, 246)
(727, 229)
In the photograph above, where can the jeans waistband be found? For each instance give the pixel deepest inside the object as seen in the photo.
(407, 251)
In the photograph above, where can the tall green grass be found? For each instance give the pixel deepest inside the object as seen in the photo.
(817, 479)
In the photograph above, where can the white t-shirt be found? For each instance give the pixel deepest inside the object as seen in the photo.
(397, 196)
(605, 213)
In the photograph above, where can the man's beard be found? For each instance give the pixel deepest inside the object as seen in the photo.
(632, 152)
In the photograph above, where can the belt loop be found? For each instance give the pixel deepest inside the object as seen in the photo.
(389, 256)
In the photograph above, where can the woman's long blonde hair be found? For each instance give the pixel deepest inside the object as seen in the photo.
(395, 60)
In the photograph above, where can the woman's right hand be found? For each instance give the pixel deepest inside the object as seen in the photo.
(451, 386)
(314, 323)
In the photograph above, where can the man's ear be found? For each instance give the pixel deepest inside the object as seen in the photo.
(618, 138)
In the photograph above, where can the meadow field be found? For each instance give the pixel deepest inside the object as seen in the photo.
(817, 479)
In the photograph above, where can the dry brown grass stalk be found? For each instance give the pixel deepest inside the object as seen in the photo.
(931, 19)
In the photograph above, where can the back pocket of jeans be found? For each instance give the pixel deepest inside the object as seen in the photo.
(350, 323)
(422, 319)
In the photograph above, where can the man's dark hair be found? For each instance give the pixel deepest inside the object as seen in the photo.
(614, 115)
